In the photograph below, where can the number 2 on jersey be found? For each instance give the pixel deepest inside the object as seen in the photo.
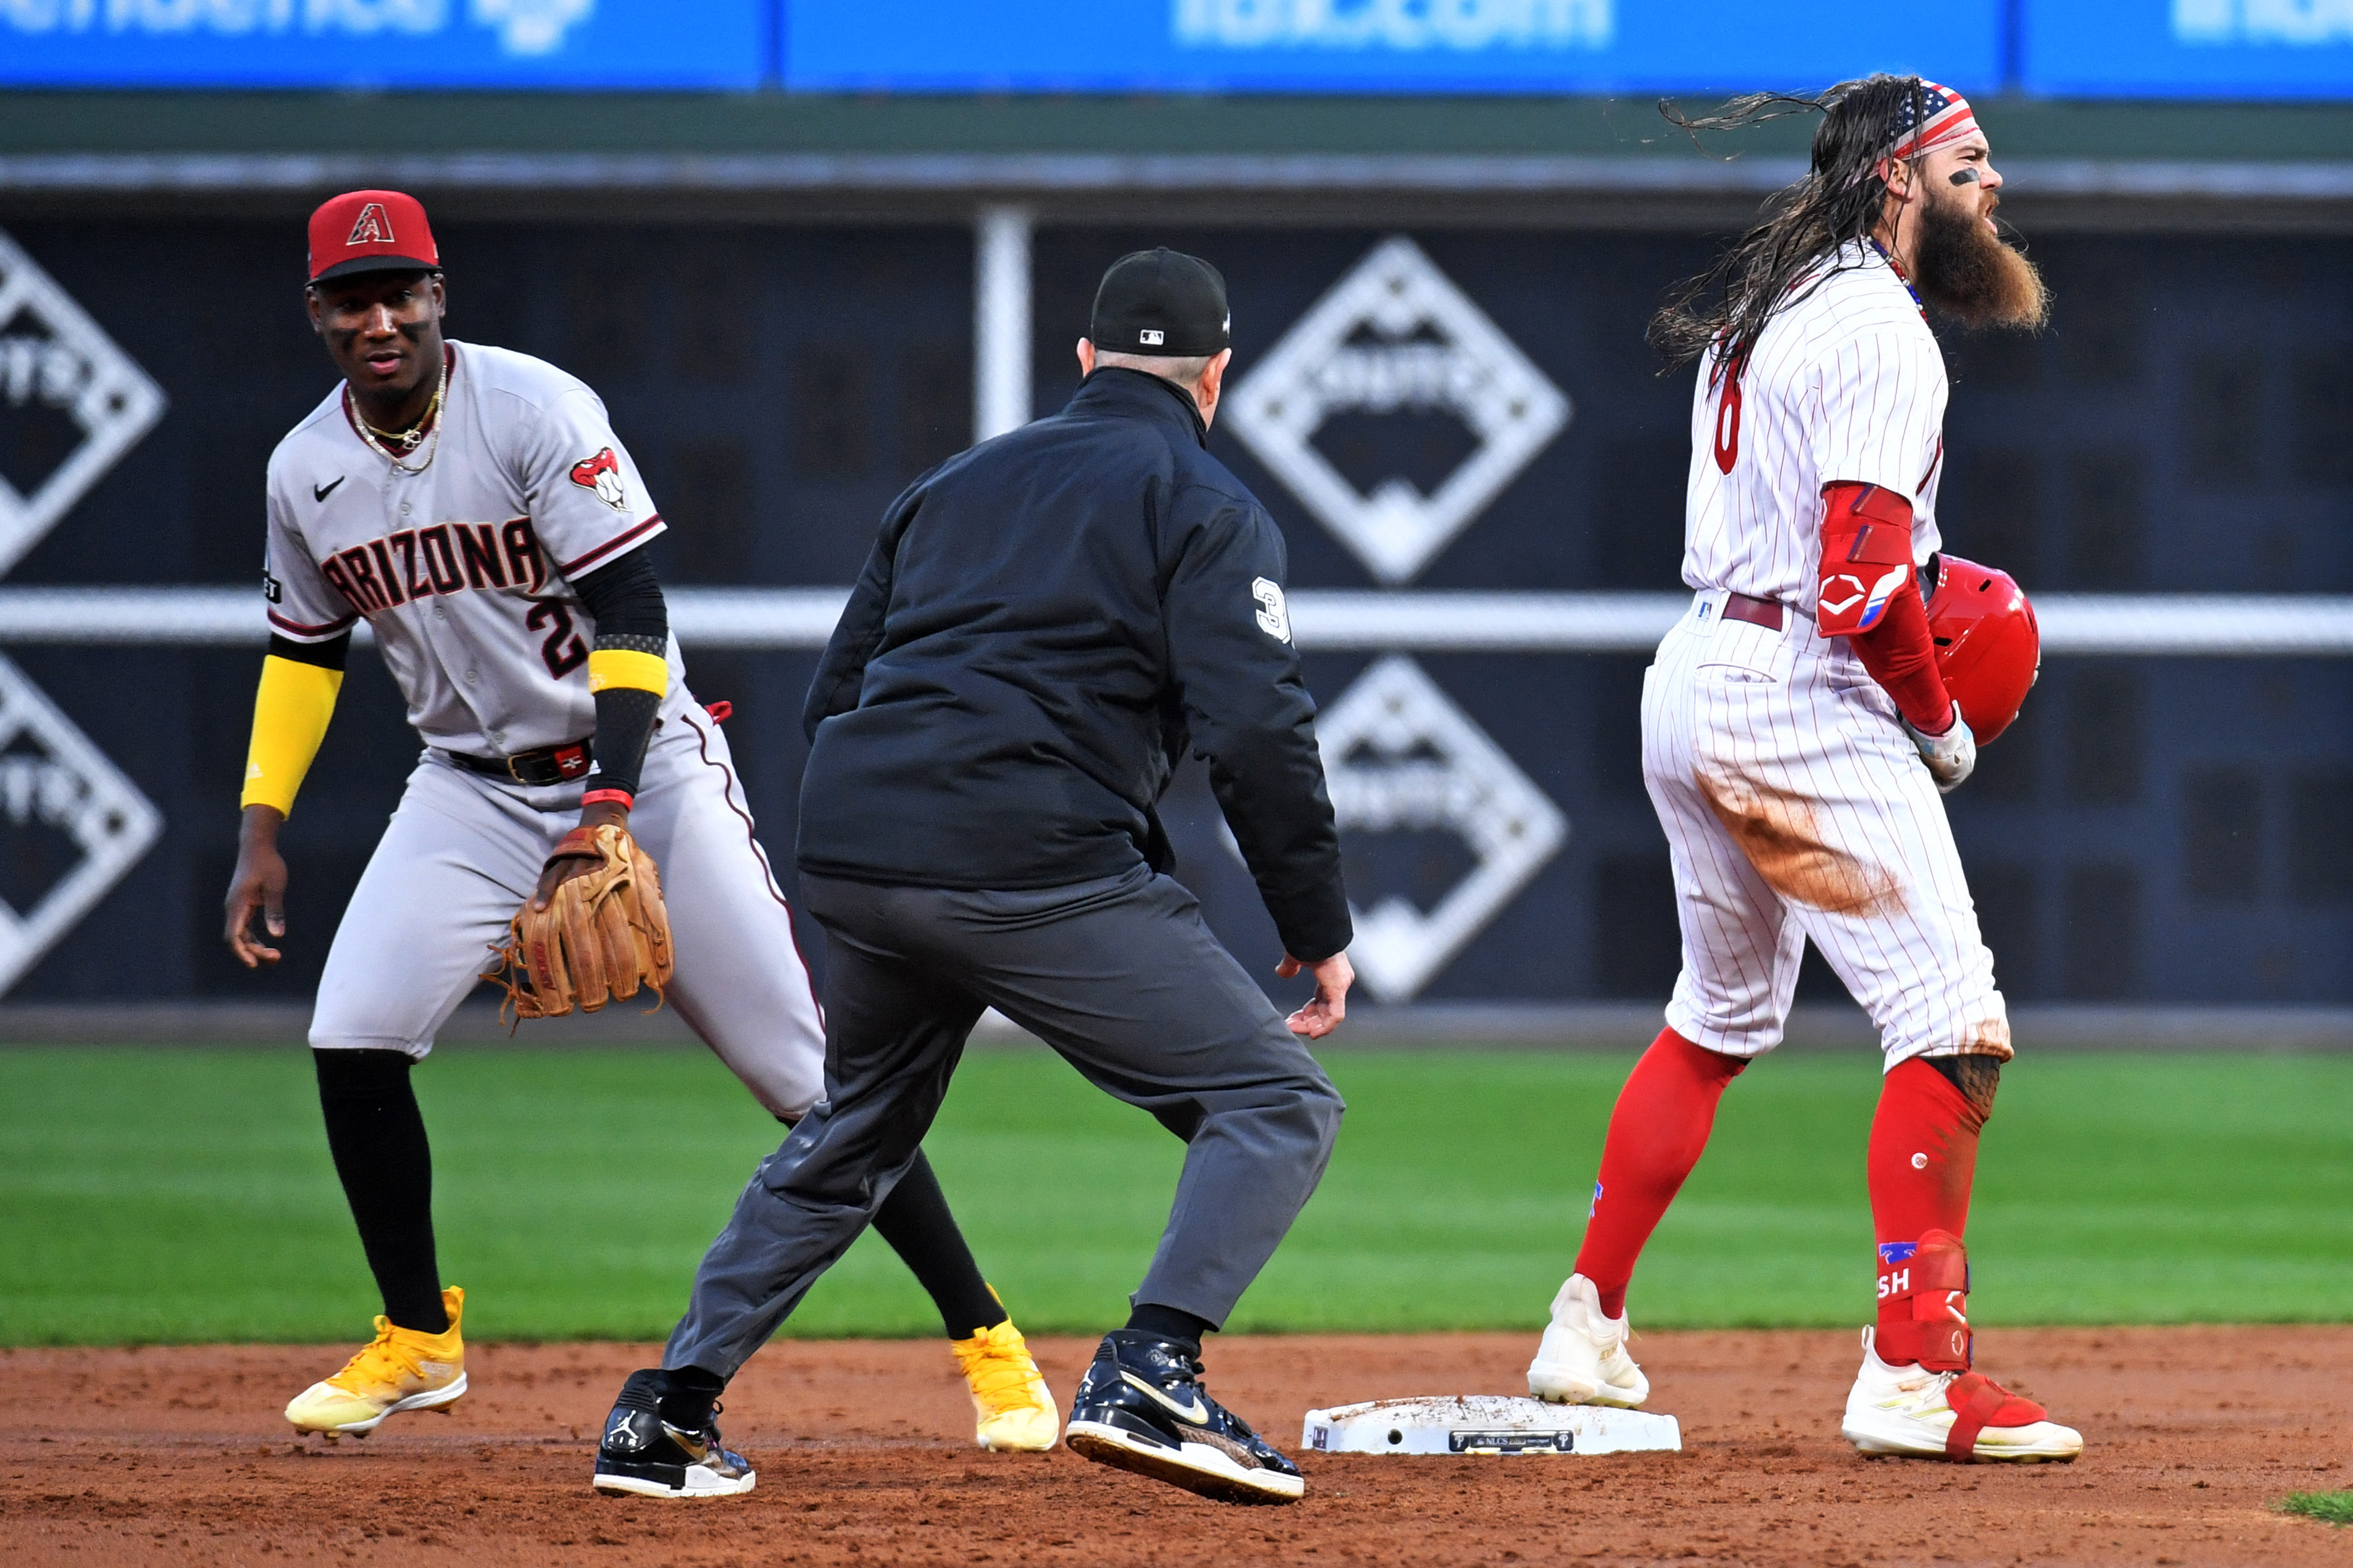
(563, 650)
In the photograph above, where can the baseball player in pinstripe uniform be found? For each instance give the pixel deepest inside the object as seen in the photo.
(474, 505)
(1796, 736)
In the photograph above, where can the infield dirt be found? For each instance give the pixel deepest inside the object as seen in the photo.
(178, 1456)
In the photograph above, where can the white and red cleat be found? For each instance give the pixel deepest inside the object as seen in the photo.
(1957, 1415)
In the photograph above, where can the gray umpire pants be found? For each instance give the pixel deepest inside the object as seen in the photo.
(1123, 978)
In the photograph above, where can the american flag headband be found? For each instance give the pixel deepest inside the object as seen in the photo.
(1950, 118)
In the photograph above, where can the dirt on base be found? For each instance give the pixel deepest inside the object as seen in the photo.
(179, 1456)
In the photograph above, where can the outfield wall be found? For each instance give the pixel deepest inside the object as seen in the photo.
(2173, 827)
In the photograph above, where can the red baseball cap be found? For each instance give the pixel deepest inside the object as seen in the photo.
(371, 231)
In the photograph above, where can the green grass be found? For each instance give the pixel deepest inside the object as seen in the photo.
(186, 1194)
(2329, 1508)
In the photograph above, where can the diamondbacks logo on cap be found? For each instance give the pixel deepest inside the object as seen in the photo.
(374, 226)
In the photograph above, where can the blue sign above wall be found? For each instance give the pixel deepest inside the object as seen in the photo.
(2188, 49)
(384, 43)
(1378, 45)
(2145, 48)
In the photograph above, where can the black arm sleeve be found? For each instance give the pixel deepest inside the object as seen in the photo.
(328, 655)
(841, 673)
(1251, 718)
(624, 598)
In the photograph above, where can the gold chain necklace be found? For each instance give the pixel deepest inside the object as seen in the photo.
(407, 439)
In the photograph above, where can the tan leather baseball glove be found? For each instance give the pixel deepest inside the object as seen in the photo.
(603, 934)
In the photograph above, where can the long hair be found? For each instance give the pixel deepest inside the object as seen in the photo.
(1839, 201)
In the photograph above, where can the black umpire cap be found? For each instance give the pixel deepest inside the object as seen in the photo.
(1161, 302)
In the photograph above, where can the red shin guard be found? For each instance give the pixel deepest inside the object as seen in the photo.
(1923, 1159)
(1657, 1131)
(1924, 1299)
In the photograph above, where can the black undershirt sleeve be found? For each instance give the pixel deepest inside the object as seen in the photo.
(625, 599)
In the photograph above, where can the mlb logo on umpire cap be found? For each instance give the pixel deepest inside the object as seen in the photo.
(371, 231)
(1161, 302)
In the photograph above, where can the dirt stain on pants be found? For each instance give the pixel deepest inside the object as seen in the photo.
(1779, 833)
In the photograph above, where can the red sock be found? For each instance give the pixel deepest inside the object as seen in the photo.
(1657, 1131)
(1924, 1156)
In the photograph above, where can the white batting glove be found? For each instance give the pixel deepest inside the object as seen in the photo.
(1951, 756)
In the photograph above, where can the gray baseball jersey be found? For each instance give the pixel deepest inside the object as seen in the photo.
(463, 567)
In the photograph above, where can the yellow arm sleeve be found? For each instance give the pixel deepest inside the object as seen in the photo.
(290, 720)
(616, 666)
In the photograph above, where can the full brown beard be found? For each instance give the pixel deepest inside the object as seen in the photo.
(1964, 269)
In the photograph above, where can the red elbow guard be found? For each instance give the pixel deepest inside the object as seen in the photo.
(1866, 556)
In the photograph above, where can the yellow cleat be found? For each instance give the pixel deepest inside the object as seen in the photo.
(1015, 1408)
(401, 1370)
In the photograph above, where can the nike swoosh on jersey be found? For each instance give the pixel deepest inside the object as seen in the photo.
(321, 492)
(1197, 1413)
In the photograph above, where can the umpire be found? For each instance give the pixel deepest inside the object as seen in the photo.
(1047, 621)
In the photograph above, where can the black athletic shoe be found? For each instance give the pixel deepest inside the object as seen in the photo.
(646, 1455)
(1143, 1408)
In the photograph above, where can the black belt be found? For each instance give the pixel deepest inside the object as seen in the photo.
(1766, 612)
(547, 765)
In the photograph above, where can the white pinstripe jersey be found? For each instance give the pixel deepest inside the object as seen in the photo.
(1846, 383)
(463, 570)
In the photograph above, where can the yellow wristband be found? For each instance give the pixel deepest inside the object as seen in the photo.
(610, 667)
(290, 720)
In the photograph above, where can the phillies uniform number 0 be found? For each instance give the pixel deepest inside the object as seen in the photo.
(1727, 423)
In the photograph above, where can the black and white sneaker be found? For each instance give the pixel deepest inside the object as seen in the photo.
(645, 1456)
(1143, 1408)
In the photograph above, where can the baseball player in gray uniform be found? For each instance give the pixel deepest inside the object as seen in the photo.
(474, 505)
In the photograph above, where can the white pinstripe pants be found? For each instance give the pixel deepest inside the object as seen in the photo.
(1796, 808)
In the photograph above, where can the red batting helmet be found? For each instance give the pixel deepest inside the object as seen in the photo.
(1987, 646)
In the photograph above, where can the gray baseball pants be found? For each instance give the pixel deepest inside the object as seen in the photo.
(462, 853)
(1121, 977)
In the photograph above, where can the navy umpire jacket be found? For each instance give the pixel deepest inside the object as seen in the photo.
(1046, 621)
